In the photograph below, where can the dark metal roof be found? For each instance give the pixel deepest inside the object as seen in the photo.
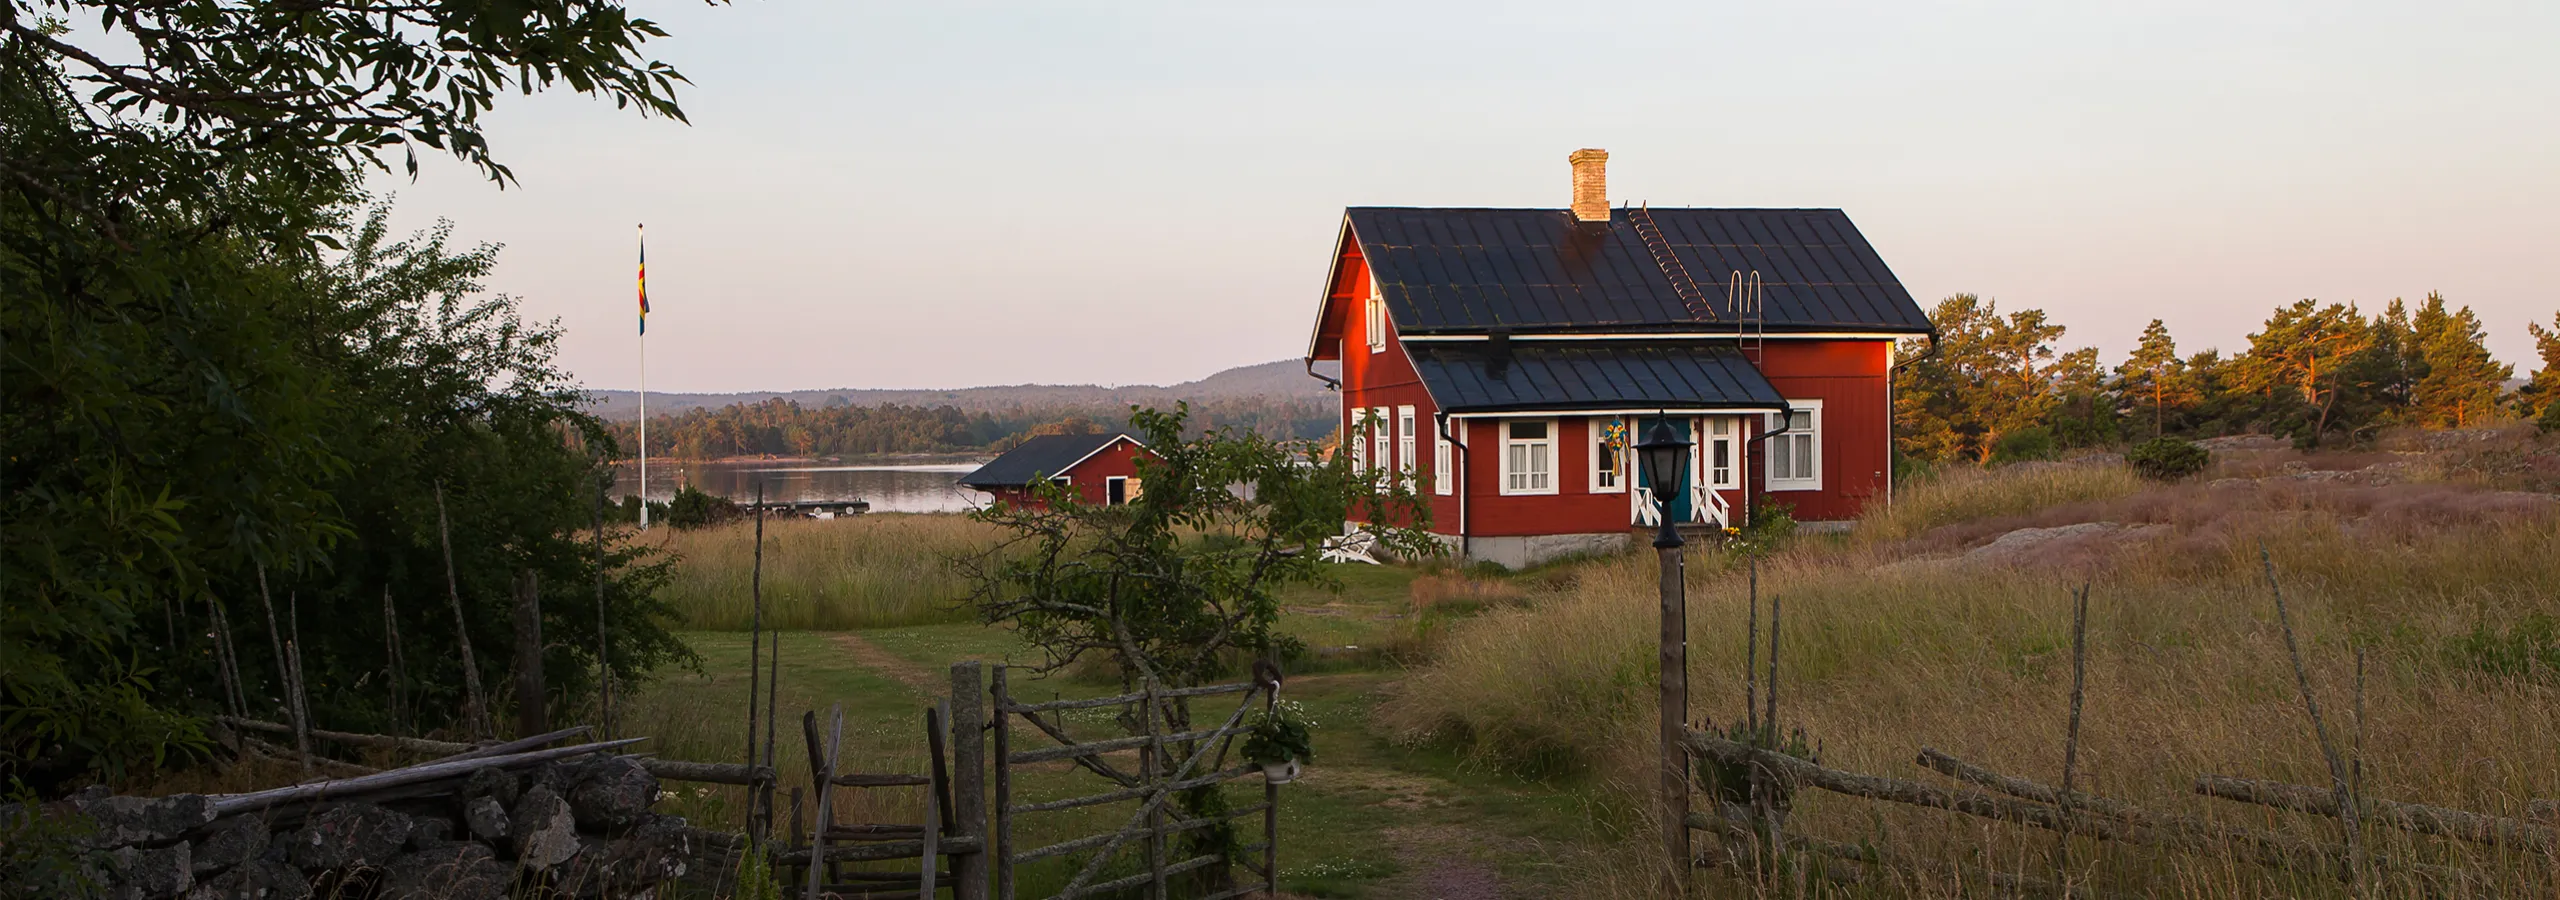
(1470, 376)
(1040, 457)
(1467, 270)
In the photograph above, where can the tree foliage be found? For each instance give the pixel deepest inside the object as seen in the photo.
(1990, 375)
(219, 370)
(2540, 395)
(1175, 583)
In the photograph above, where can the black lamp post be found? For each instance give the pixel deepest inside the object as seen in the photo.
(1666, 460)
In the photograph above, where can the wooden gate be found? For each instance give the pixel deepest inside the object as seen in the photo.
(1192, 763)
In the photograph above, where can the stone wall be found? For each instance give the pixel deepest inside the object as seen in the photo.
(578, 827)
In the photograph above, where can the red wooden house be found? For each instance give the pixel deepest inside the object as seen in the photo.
(1505, 359)
(1100, 469)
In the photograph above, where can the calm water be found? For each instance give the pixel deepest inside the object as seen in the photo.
(915, 488)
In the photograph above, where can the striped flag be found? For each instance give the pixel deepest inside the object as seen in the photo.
(644, 283)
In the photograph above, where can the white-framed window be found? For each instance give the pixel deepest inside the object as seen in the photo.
(1115, 490)
(1377, 318)
(1444, 478)
(1795, 456)
(1064, 481)
(1381, 449)
(1356, 439)
(1529, 456)
(1406, 462)
(1608, 456)
(1720, 455)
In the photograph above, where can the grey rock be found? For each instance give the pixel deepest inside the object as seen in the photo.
(138, 873)
(450, 870)
(647, 855)
(428, 831)
(233, 841)
(258, 879)
(124, 821)
(616, 793)
(355, 834)
(485, 818)
(541, 829)
(497, 783)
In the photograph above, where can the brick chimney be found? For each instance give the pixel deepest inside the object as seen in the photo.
(1590, 185)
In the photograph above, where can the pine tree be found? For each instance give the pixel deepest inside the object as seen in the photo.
(1991, 375)
(2299, 360)
(2084, 414)
(2461, 385)
(2154, 376)
(2540, 397)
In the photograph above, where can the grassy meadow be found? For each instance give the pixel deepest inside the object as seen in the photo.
(1892, 641)
(869, 571)
(1505, 721)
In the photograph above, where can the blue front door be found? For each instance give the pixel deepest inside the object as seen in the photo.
(1675, 506)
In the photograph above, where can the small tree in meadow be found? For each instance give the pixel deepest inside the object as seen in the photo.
(1181, 585)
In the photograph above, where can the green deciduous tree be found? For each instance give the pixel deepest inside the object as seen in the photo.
(1182, 585)
(213, 369)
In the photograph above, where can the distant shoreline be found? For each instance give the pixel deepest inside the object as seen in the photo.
(907, 459)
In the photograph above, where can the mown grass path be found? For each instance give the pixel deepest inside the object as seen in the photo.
(1368, 819)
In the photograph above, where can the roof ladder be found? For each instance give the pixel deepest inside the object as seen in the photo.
(1642, 218)
(1751, 324)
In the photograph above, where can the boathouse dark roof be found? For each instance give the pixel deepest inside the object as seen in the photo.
(1537, 270)
(1043, 456)
(1503, 376)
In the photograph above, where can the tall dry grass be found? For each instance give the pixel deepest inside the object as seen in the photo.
(2187, 673)
(864, 572)
(1959, 493)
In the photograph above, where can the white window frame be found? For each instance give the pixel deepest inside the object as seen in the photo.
(1358, 438)
(1124, 490)
(1806, 442)
(1548, 444)
(1615, 480)
(1381, 446)
(1731, 440)
(1408, 467)
(1064, 481)
(1444, 481)
(1377, 318)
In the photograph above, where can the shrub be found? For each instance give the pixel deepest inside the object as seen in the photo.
(2023, 445)
(695, 509)
(2550, 420)
(1770, 524)
(2168, 459)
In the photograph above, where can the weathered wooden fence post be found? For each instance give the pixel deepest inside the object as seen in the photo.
(969, 777)
(530, 719)
(1675, 709)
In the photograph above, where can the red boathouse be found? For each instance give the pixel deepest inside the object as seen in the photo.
(1100, 469)
(1506, 359)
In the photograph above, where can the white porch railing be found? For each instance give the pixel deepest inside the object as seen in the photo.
(1707, 504)
(1648, 511)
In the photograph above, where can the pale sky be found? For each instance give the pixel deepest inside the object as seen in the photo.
(950, 194)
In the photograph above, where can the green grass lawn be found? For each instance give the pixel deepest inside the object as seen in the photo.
(1334, 822)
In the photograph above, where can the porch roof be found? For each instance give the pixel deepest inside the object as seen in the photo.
(1538, 376)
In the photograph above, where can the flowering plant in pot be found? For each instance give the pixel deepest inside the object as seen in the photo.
(1279, 743)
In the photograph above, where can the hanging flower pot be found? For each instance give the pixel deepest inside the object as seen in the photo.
(1279, 743)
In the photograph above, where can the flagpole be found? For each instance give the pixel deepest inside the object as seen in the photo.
(644, 377)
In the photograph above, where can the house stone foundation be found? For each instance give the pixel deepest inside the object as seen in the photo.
(1523, 551)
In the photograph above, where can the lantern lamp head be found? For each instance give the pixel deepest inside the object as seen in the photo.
(1665, 452)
